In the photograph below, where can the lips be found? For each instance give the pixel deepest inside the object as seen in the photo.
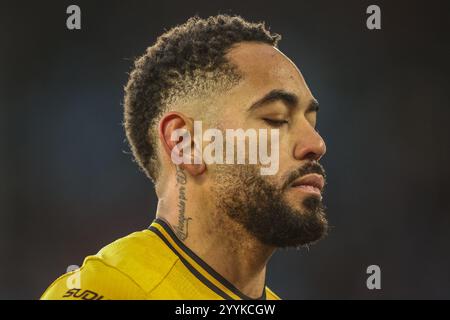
(310, 182)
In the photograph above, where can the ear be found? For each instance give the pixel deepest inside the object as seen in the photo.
(169, 126)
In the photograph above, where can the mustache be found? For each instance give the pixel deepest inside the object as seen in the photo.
(308, 168)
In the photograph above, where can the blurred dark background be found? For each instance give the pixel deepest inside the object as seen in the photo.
(68, 184)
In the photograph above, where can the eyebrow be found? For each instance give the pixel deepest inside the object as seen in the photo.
(289, 98)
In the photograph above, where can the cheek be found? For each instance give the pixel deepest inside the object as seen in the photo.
(286, 163)
(285, 150)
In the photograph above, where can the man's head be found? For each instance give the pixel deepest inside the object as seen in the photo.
(229, 74)
(187, 63)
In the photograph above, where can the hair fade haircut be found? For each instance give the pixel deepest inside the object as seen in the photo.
(172, 69)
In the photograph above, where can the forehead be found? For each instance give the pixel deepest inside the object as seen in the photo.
(265, 68)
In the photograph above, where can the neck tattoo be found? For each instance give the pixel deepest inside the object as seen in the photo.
(181, 230)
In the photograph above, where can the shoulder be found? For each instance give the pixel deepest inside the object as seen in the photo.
(94, 280)
(128, 268)
(142, 255)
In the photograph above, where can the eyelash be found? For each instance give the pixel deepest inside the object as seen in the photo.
(275, 123)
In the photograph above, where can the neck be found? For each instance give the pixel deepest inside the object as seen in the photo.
(218, 240)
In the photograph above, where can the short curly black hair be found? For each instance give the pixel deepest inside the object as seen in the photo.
(182, 63)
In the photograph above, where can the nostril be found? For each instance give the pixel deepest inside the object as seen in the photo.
(311, 156)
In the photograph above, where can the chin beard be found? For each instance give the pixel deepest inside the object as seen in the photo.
(262, 209)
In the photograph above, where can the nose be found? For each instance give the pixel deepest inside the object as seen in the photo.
(309, 145)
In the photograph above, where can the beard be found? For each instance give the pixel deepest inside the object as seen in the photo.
(261, 206)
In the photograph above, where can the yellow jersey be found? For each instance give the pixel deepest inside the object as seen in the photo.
(148, 264)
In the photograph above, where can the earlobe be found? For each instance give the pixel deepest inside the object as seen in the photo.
(195, 169)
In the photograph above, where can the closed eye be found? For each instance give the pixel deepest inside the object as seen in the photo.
(275, 123)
